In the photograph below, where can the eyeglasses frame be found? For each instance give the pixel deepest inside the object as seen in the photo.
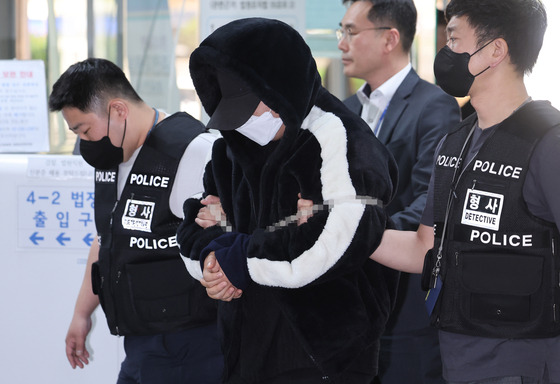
(346, 33)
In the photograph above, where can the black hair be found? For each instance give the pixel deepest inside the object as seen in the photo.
(88, 85)
(401, 13)
(521, 23)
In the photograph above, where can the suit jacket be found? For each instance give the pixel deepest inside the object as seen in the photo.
(418, 116)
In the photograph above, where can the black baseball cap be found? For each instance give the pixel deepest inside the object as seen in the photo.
(237, 104)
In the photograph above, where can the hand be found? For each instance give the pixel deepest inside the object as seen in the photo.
(76, 351)
(304, 210)
(217, 285)
(211, 214)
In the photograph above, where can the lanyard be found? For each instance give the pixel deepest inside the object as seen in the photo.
(155, 122)
(456, 175)
(376, 130)
(155, 119)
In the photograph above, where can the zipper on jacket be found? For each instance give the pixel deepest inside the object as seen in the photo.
(464, 165)
(324, 377)
(488, 184)
(110, 287)
(463, 169)
(113, 214)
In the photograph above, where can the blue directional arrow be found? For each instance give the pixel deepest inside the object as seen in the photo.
(35, 238)
(61, 239)
(88, 239)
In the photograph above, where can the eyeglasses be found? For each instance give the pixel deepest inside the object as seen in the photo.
(347, 33)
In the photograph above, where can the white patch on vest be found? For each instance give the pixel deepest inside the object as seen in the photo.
(138, 215)
(482, 209)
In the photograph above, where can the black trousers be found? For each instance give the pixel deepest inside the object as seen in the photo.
(192, 356)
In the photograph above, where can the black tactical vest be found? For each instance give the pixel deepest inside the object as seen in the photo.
(142, 283)
(500, 266)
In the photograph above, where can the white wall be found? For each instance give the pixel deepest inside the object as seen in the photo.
(39, 283)
(544, 82)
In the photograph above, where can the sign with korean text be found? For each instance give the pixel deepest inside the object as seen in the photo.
(215, 13)
(56, 211)
(23, 107)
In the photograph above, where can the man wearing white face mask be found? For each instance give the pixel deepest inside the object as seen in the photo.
(299, 302)
(262, 129)
(237, 102)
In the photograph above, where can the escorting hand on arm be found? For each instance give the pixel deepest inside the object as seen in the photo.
(404, 250)
(212, 212)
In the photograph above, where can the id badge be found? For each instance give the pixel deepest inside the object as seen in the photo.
(433, 294)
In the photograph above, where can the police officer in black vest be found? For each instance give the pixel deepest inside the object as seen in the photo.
(492, 216)
(146, 164)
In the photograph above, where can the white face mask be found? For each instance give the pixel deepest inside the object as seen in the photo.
(261, 129)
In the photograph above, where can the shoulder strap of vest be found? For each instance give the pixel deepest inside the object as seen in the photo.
(164, 147)
(532, 120)
(167, 141)
(174, 134)
(468, 122)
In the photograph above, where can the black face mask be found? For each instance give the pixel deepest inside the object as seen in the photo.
(102, 154)
(452, 71)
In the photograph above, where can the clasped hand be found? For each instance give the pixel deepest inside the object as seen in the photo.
(215, 281)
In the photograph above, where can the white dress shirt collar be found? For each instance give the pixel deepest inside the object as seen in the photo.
(375, 103)
(386, 90)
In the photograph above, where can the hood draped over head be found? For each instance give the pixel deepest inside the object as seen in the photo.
(270, 57)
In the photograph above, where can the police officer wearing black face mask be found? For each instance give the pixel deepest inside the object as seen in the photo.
(102, 154)
(452, 71)
(492, 215)
(146, 164)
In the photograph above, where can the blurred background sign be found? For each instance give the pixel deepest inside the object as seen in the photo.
(24, 126)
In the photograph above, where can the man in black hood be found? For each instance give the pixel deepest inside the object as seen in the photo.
(301, 301)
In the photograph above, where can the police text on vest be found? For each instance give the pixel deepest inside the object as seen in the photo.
(149, 180)
(105, 176)
(501, 239)
(447, 161)
(147, 243)
(497, 169)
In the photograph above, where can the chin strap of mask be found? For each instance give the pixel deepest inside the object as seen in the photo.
(109, 123)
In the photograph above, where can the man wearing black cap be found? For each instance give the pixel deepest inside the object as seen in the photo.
(300, 302)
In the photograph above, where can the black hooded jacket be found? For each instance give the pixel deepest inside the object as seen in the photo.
(312, 299)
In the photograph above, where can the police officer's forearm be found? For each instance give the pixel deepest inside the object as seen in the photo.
(87, 301)
(404, 250)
